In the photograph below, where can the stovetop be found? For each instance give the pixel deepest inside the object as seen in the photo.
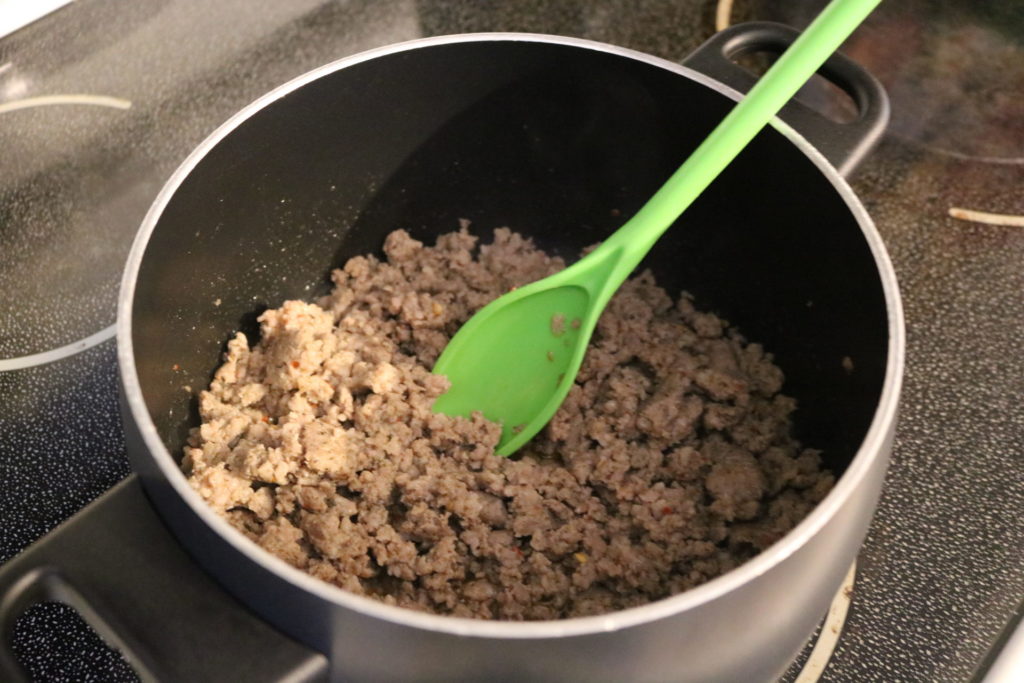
(100, 101)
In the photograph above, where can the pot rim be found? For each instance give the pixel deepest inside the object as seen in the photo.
(872, 447)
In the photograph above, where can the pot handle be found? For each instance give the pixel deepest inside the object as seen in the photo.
(843, 144)
(120, 568)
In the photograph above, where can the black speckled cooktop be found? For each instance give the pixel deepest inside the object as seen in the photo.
(941, 575)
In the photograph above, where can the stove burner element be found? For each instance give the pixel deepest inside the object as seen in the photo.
(34, 359)
(986, 217)
(50, 100)
(828, 635)
(66, 225)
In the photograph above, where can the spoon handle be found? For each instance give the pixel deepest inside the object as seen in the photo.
(779, 84)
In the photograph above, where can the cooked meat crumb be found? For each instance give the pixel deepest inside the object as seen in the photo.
(558, 324)
(669, 463)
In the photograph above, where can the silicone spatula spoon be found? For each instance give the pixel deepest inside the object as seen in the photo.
(515, 360)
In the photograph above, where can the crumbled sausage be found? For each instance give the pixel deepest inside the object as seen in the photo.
(669, 463)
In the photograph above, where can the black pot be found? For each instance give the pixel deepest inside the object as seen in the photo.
(557, 138)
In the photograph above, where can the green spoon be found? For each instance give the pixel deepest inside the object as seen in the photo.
(515, 360)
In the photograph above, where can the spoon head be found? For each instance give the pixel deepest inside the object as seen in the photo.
(515, 360)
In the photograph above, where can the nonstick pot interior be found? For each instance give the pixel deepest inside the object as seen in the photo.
(557, 142)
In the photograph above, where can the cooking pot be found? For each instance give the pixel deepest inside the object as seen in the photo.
(559, 139)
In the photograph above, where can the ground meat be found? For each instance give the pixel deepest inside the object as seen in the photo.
(669, 463)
